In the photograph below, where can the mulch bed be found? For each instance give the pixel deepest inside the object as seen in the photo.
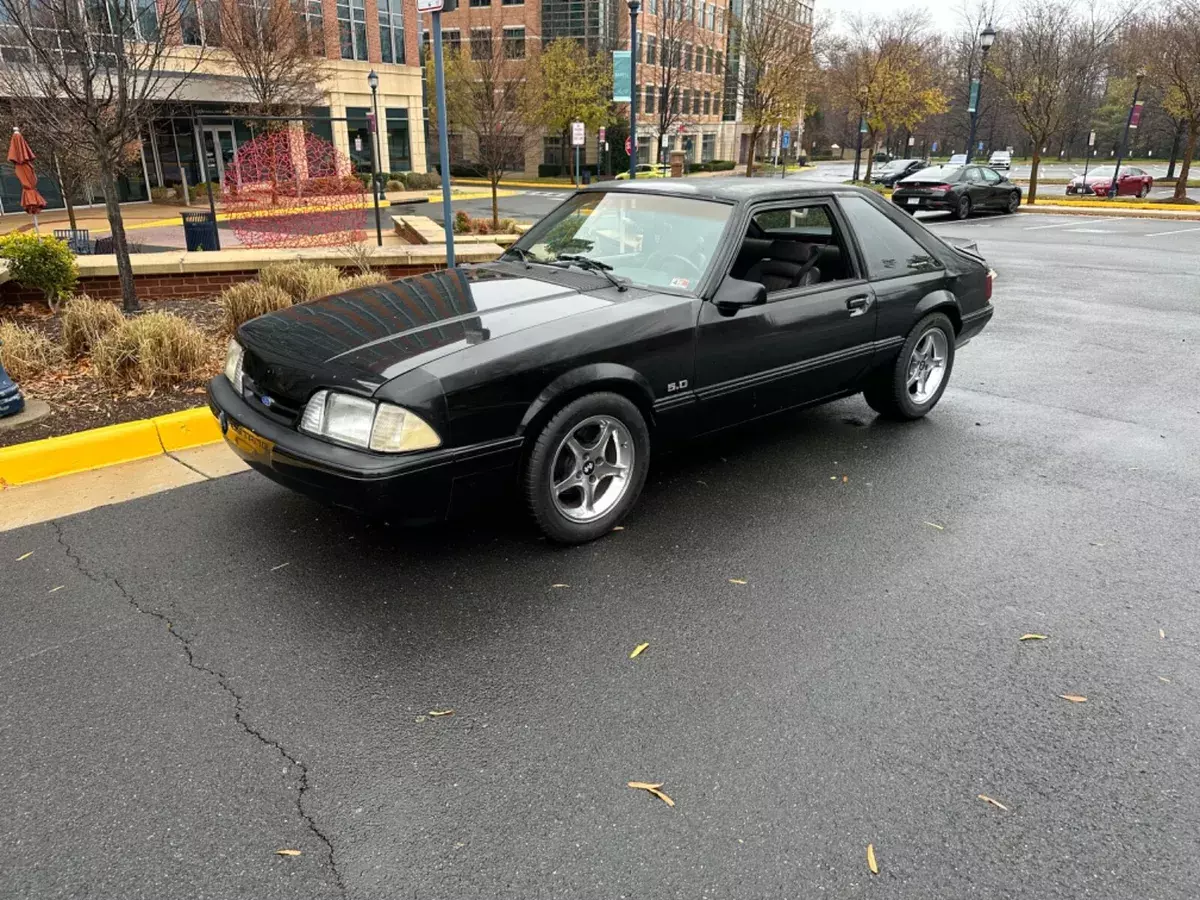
(78, 400)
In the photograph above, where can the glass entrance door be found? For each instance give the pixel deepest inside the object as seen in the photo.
(220, 147)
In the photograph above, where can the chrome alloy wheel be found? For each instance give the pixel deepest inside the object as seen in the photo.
(592, 469)
(927, 366)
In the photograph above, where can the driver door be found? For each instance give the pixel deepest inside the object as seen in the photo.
(805, 343)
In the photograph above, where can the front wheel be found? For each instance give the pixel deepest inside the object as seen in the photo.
(1014, 202)
(917, 380)
(587, 468)
(1144, 192)
(963, 209)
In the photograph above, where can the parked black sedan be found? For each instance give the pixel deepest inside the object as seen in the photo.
(635, 316)
(891, 172)
(960, 190)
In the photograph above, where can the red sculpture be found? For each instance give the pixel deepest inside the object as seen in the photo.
(290, 188)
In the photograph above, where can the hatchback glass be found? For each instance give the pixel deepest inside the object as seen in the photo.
(649, 239)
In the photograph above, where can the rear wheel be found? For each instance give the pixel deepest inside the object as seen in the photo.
(917, 380)
(1144, 192)
(587, 468)
(1014, 201)
(963, 209)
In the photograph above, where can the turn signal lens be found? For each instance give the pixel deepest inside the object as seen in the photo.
(234, 358)
(314, 414)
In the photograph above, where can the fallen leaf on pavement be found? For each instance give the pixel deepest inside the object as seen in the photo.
(288, 852)
(618, 528)
(937, 526)
(1162, 634)
(281, 566)
(845, 478)
(833, 478)
(637, 651)
(653, 789)
(996, 803)
(1033, 637)
(559, 585)
(59, 588)
(26, 556)
(436, 713)
(1074, 698)
(874, 866)
(1164, 680)
(737, 581)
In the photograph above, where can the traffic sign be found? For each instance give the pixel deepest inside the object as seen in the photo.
(600, 136)
(577, 134)
(787, 139)
(429, 5)
(628, 145)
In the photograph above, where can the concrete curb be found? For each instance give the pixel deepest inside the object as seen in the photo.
(108, 446)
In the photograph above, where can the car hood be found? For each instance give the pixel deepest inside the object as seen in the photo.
(368, 336)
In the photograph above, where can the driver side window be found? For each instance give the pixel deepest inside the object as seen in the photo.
(792, 246)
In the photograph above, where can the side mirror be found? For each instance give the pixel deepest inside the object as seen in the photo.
(735, 294)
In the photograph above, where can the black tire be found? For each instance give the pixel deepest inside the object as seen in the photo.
(1014, 201)
(888, 394)
(539, 474)
(963, 209)
(1144, 192)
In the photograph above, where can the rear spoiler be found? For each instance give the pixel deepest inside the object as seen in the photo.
(965, 246)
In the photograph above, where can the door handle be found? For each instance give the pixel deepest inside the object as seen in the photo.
(858, 305)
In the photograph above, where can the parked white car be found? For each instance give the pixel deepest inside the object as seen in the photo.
(1001, 159)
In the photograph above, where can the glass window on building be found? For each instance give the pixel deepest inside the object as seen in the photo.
(651, 48)
(687, 57)
(514, 43)
(478, 3)
(391, 31)
(451, 40)
(696, 103)
(399, 147)
(552, 150)
(708, 147)
(513, 2)
(314, 18)
(687, 101)
(481, 43)
(707, 102)
(675, 100)
(652, 7)
(352, 28)
(199, 22)
(360, 138)
(649, 104)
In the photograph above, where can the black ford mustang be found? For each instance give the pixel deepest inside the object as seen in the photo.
(634, 316)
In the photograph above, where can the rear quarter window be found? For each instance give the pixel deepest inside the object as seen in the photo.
(887, 249)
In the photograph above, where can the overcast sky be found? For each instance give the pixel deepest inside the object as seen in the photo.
(841, 8)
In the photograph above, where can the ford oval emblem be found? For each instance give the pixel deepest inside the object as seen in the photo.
(266, 401)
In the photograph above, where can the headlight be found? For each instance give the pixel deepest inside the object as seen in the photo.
(382, 427)
(234, 358)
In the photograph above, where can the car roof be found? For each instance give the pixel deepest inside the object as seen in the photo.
(733, 189)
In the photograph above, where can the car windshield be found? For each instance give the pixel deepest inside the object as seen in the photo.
(937, 173)
(1104, 174)
(649, 239)
(958, 159)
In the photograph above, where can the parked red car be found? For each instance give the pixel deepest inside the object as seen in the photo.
(1133, 182)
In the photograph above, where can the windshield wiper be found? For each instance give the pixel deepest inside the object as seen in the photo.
(593, 265)
(521, 254)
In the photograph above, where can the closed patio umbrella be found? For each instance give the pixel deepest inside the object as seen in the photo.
(21, 156)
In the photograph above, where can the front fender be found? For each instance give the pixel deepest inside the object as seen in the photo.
(583, 379)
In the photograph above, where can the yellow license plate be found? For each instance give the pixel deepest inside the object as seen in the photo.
(249, 442)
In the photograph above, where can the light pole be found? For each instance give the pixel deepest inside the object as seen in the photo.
(373, 84)
(439, 87)
(987, 37)
(634, 6)
(1141, 76)
(862, 116)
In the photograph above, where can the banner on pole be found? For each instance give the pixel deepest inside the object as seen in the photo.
(1137, 114)
(622, 76)
(973, 102)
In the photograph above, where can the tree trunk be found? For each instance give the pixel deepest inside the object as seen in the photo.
(495, 178)
(1175, 150)
(66, 194)
(1033, 173)
(112, 205)
(754, 134)
(1185, 167)
(870, 157)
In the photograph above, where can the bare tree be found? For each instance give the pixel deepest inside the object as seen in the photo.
(676, 63)
(279, 54)
(775, 66)
(1038, 64)
(68, 160)
(1171, 45)
(98, 72)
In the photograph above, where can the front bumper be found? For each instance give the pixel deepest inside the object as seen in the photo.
(410, 488)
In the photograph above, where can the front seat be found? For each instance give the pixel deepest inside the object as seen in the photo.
(787, 264)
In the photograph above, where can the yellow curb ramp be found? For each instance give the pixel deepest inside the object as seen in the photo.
(108, 446)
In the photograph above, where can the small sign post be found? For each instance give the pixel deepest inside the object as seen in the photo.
(577, 138)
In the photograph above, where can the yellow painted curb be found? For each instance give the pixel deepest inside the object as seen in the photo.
(1119, 204)
(108, 446)
(186, 429)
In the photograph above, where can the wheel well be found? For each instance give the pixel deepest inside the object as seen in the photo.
(626, 389)
(952, 313)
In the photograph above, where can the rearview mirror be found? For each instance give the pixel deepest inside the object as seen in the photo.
(735, 294)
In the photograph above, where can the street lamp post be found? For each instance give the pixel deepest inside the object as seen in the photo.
(1141, 76)
(634, 6)
(373, 83)
(862, 116)
(987, 37)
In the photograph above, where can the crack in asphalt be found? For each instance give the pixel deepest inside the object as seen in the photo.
(222, 680)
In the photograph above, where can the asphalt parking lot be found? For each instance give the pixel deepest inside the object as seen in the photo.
(833, 605)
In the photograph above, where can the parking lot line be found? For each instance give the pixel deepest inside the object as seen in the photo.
(1176, 231)
(1055, 225)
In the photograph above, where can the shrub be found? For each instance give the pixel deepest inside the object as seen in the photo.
(302, 281)
(155, 350)
(249, 300)
(394, 185)
(364, 279)
(25, 352)
(200, 191)
(45, 263)
(85, 321)
(462, 222)
(423, 181)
